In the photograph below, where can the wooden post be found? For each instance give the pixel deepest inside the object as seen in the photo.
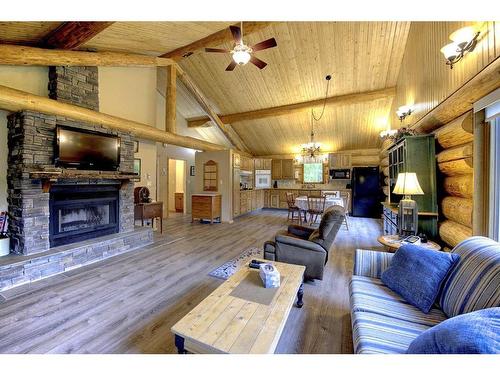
(170, 100)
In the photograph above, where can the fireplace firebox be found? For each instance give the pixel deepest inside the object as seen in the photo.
(80, 212)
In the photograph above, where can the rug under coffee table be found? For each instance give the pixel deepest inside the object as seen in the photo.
(239, 316)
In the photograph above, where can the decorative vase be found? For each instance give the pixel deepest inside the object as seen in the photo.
(4, 246)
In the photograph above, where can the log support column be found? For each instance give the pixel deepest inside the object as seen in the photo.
(170, 100)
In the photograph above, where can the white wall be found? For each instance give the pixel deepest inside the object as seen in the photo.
(31, 79)
(131, 93)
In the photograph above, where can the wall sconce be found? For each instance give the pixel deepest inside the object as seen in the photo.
(403, 112)
(464, 40)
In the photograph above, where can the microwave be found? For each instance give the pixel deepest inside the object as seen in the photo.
(340, 174)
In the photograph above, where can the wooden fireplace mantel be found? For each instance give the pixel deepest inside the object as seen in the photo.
(49, 176)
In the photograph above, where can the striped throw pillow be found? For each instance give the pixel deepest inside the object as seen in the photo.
(474, 283)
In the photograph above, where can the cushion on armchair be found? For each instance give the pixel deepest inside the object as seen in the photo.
(474, 283)
(473, 333)
(416, 274)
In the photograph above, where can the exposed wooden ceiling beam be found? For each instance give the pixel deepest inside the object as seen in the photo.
(16, 100)
(22, 55)
(297, 107)
(212, 115)
(214, 39)
(71, 35)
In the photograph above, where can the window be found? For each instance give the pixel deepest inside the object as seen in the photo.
(313, 173)
(495, 179)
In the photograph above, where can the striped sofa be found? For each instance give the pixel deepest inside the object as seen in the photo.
(383, 322)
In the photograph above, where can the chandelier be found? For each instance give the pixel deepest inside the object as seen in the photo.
(311, 151)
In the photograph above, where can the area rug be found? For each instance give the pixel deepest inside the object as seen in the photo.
(227, 269)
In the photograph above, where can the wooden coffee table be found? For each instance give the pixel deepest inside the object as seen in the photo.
(225, 323)
(392, 243)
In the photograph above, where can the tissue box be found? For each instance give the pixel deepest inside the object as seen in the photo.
(269, 275)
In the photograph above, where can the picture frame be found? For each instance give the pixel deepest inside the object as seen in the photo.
(191, 170)
(137, 169)
(136, 147)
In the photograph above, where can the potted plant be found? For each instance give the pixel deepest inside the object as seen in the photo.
(4, 238)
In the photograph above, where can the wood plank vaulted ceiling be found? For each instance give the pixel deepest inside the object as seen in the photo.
(361, 56)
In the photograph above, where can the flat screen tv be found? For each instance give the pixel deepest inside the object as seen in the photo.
(85, 149)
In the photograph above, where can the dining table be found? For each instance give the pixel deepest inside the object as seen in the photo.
(303, 205)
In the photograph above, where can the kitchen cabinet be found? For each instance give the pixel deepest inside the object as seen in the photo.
(287, 169)
(267, 202)
(274, 199)
(276, 169)
(264, 164)
(236, 191)
(236, 160)
(282, 169)
(246, 164)
(179, 202)
(340, 161)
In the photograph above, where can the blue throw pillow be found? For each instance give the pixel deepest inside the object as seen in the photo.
(416, 274)
(477, 332)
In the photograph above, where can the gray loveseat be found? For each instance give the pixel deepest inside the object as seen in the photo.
(307, 246)
(383, 322)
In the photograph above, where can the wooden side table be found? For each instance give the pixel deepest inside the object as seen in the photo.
(206, 206)
(393, 242)
(144, 211)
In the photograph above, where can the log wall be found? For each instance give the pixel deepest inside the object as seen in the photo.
(454, 159)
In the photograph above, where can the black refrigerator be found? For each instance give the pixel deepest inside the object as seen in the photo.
(366, 192)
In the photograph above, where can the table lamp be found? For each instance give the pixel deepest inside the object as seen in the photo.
(407, 185)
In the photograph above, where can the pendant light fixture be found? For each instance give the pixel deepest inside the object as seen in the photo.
(311, 151)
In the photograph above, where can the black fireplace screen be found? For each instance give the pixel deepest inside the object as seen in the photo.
(78, 213)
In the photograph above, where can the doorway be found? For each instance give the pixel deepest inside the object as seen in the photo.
(176, 186)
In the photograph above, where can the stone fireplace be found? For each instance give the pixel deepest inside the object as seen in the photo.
(80, 212)
(63, 208)
(62, 219)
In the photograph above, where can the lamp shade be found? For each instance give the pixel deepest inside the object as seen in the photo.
(463, 36)
(407, 184)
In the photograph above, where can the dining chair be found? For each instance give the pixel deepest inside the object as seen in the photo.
(315, 207)
(292, 208)
(346, 198)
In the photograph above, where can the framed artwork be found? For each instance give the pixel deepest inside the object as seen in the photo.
(137, 169)
(136, 147)
(191, 170)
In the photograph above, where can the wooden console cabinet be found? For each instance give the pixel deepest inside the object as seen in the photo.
(145, 211)
(206, 206)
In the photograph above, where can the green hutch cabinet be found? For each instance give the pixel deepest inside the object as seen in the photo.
(416, 154)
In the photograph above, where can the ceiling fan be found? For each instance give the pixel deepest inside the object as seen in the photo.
(242, 53)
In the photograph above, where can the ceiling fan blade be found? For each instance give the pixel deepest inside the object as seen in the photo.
(236, 31)
(231, 66)
(258, 62)
(216, 50)
(270, 43)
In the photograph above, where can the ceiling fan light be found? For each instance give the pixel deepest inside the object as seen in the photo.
(241, 57)
(450, 51)
(462, 37)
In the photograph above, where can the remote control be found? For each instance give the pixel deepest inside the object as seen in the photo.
(254, 263)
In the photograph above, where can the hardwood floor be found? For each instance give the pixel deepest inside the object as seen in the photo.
(127, 304)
